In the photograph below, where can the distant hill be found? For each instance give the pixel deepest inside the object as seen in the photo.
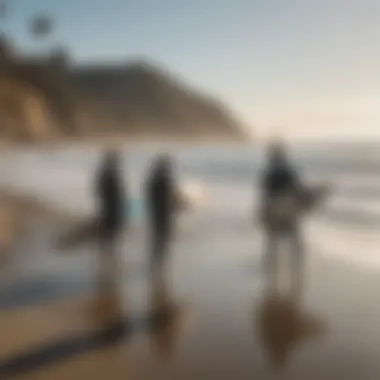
(51, 100)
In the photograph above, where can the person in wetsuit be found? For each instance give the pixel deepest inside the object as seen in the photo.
(160, 194)
(112, 197)
(282, 192)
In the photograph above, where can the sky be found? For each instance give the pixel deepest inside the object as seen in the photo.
(306, 68)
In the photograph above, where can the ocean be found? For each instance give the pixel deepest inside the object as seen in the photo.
(230, 176)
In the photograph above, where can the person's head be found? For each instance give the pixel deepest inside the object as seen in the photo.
(164, 163)
(111, 160)
(277, 153)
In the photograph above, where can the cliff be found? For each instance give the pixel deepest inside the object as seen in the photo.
(141, 100)
(51, 100)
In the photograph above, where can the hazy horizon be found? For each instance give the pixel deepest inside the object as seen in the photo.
(307, 69)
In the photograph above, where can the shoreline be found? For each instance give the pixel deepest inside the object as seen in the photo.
(102, 142)
(118, 142)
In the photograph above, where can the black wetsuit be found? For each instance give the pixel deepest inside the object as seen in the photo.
(112, 202)
(160, 192)
(279, 179)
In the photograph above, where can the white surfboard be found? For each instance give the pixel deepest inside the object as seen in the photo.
(284, 211)
(191, 195)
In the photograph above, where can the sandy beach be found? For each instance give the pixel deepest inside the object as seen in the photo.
(222, 323)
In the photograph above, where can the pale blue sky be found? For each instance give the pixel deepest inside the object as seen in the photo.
(305, 66)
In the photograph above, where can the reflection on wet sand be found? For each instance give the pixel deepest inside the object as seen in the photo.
(107, 308)
(169, 318)
(284, 324)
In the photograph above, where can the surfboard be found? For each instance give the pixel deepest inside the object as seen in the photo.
(283, 212)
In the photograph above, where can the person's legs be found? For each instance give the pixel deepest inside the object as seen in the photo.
(298, 260)
(155, 245)
(104, 256)
(271, 258)
(165, 247)
(160, 239)
(109, 268)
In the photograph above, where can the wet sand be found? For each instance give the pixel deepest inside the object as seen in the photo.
(218, 321)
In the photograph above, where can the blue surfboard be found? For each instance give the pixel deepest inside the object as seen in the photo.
(135, 209)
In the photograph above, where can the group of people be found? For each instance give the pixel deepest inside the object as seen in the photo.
(115, 208)
(283, 323)
(284, 197)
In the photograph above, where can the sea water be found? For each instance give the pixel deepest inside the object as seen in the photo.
(345, 227)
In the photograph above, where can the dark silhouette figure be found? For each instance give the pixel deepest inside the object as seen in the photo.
(281, 210)
(283, 325)
(160, 193)
(112, 197)
(280, 177)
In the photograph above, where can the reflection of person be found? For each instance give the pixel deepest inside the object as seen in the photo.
(283, 325)
(107, 315)
(168, 318)
(107, 307)
(280, 211)
(161, 197)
